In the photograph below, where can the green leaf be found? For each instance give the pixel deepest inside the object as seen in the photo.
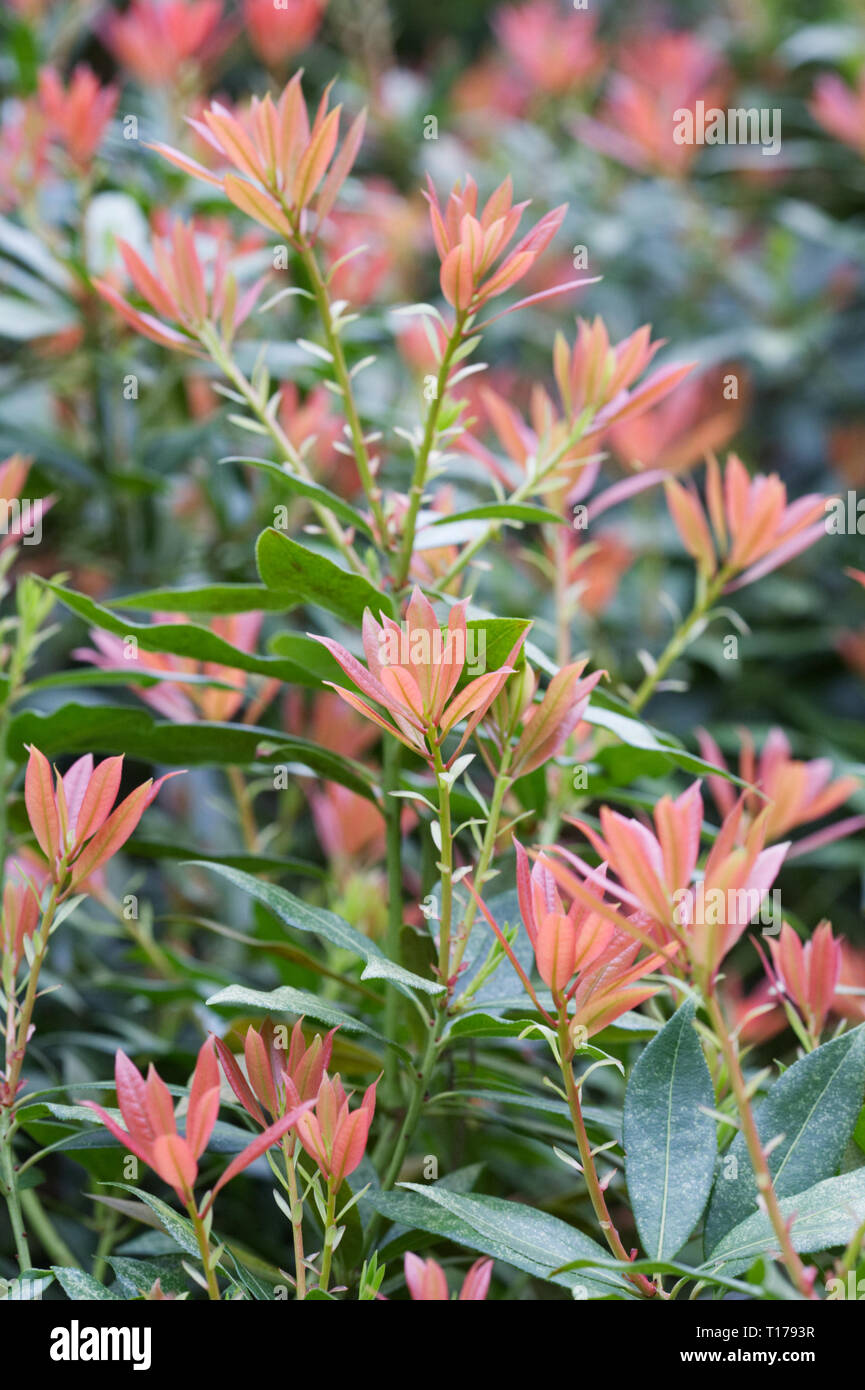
(607, 712)
(82, 1287)
(670, 1144)
(137, 1277)
(304, 487)
(250, 863)
(77, 728)
(495, 640)
(827, 1215)
(502, 511)
(512, 1232)
(814, 1105)
(285, 565)
(302, 917)
(481, 1025)
(211, 598)
(333, 767)
(177, 639)
(288, 1000)
(177, 1227)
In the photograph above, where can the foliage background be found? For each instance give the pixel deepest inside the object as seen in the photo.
(749, 262)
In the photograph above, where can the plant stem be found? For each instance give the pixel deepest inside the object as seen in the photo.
(25, 1014)
(107, 1237)
(392, 812)
(561, 588)
(419, 480)
(412, 1114)
(289, 454)
(40, 1225)
(244, 810)
(446, 864)
(352, 414)
(204, 1247)
(759, 1162)
(296, 1217)
(411, 1117)
(329, 1235)
(500, 789)
(707, 594)
(10, 1192)
(590, 1173)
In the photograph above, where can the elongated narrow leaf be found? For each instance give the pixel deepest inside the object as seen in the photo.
(512, 1232)
(210, 598)
(302, 917)
(82, 1287)
(285, 565)
(250, 863)
(177, 639)
(287, 1000)
(78, 728)
(304, 487)
(814, 1106)
(670, 1143)
(180, 1230)
(828, 1214)
(503, 511)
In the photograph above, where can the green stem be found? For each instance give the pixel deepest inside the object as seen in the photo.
(421, 468)
(329, 1237)
(707, 594)
(343, 377)
(203, 1239)
(40, 1225)
(296, 1217)
(245, 813)
(500, 789)
(446, 863)
(10, 1192)
(392, 812)
(25, 1014)
(230, 370)
(412, 1115)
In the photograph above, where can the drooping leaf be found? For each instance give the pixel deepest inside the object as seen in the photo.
(79, 728)
(137, 1277)
(288, 1000)
(177, 1227)
(303, 917)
